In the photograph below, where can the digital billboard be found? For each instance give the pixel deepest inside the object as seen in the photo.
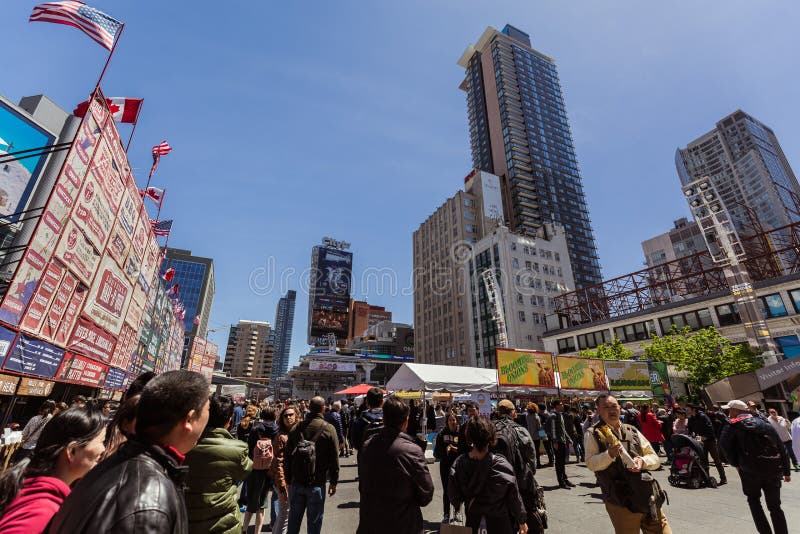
(18, 177)
(330, 285)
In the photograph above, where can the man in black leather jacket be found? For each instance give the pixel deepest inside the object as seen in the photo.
(140, 487)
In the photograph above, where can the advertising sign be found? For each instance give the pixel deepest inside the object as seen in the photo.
(34, 387)
(58, 308)
(83, 371)
(659, 379)
(628, 375)
(581, 373)
(6, 340)
(18, 177)
(332, 277)
(71, 315)
(8, 384)
(116, 379)
(525, 368)
(344, 367)
(34, 357)
(109, 297)
(484, 403)
(93, 214)
(329, 322)
(90, 339)
(51, 280)
(21, 288)
(77, 253)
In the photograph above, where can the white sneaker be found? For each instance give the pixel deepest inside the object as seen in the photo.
(457, 518)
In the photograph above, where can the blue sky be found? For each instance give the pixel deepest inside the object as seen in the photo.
(296, 120)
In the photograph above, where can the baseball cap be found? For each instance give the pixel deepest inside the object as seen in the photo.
(736, 405)
(507, 404)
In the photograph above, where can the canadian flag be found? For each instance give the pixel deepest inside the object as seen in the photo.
(122, 109)
(169, 274)
(153, 193)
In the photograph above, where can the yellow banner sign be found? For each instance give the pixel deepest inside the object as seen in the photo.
(581, 373)
(525, 368)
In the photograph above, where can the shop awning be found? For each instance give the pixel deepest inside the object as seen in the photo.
(418, 376)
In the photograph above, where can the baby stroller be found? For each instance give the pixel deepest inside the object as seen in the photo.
(689, 467)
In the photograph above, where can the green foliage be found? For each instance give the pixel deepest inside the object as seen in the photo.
(615, 351)
(705, 355)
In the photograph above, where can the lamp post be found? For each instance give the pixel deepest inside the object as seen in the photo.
(726, 249)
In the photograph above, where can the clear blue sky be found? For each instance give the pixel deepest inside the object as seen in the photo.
(295, 120)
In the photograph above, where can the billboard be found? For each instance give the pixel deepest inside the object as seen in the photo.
(525, 368)
(18, 177)
(628, 375)
(319, 365)
(34, 357)
(331, 278)
(333, 321)
(581, 373)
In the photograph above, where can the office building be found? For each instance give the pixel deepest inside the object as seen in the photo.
(520, 132)
(749, 171)
(284, 322)
(530, 273)
(364, 315)
(195, 278)
(250, 351)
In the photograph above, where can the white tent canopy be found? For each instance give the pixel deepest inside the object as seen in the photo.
(418, 376)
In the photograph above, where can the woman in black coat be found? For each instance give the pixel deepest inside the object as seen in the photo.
(446, 451)
(485, 483)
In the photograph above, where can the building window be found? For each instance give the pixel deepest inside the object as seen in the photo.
(772, 306)
(515, 263)
(566, 344)
(693, 319)
(521, 316)
(635, 331)
(795, 296)
(728, 314)
(592, 339)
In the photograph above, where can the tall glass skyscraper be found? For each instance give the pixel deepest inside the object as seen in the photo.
(519, 131)
(284, 321)
(749, 170)
(195, 278)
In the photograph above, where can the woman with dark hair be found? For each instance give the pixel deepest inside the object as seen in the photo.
(32, 431)
(123, 422)
(286, 421)
(485, 483)
(446, 451)
(32, 491)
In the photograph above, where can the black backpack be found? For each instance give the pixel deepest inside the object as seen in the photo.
(518, 445)
(304, 457)
(761, 452)
(372, 427)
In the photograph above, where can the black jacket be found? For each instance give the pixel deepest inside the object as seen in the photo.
(443, 439)
(394, 482)
(487, 488)
(137, 489)
(327, 449)
(359, 426)
(700, 425)
(747, 452)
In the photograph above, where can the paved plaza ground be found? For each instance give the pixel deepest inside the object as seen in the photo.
(580, 510)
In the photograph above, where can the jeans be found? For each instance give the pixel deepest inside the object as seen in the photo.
(668, 449)
(752, 486)
(790, 452)
(281, 523)
(577, 444)
(302, 498)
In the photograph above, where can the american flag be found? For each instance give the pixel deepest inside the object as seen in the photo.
(96, 24)
(162, 149)
(161, 228)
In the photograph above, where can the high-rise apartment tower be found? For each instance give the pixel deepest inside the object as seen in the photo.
(284, 320)
(519, 131)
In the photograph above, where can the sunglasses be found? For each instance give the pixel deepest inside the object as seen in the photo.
(289, 414)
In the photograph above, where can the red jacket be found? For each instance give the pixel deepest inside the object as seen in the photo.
(34, 506)
(651, 427)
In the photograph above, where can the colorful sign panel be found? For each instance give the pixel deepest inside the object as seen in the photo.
(18, 177)
(659, 379)
(581, 373)
(331, 291)
(628, 375)
(7, 338)
(344, 367)
(116, 379)
(34, 357)
(8, 384)
(82, 370)
(34, 387)
(525, 368)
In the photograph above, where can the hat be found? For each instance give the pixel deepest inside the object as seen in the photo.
(736, 405)
(507, 404)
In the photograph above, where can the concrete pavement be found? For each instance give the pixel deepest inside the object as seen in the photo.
(580, 510)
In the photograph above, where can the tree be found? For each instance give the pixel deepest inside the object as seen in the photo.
(705, 355)
(615, 351)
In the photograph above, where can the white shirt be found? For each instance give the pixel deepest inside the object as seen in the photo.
(780, 425)
(598, 461)
(796, 437)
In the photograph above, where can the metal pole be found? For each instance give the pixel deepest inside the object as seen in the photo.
(135, 123)
(108, 59)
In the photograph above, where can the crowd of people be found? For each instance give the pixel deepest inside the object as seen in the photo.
(171, 458)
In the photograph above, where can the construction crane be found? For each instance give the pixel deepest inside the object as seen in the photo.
(496, 305)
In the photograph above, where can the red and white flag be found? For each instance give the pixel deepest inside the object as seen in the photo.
(162, 149)
(102, 28)
(153, 193)
(173, 290)
(125, 110)
(169, 274)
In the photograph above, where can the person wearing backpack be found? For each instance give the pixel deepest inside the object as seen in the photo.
(393, 477)
(216, 464)
(754, 448)
(259, 482)
(516, 445)
(369, 422)
(311, 460)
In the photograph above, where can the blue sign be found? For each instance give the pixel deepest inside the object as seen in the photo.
(34, 357)
(386, 357)
(115, 379)
(790, 346)
(6, 340)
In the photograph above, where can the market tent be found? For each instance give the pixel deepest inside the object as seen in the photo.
(360, 389)
(418, 376)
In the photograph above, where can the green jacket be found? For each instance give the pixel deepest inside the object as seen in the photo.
(216, 464)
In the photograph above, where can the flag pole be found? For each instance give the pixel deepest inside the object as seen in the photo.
(135, 122)
(156, 158)
(108, 59)
(158, 215)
